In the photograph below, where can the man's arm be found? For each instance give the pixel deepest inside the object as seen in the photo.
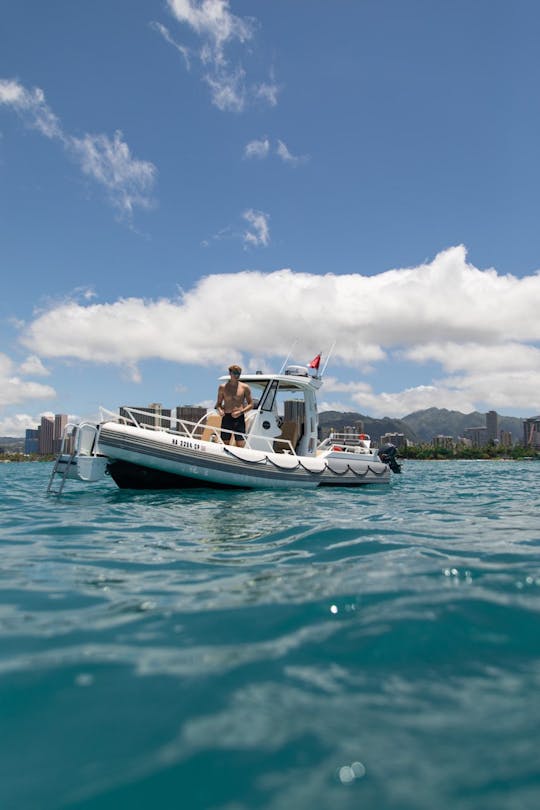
(247, 397)
(219, 400)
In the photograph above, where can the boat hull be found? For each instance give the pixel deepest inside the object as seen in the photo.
(146, 459)
(133, 476)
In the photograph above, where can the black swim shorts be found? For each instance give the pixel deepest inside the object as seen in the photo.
(234, 424)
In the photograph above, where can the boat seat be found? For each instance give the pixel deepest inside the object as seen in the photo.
(289, 436)
(212, 428)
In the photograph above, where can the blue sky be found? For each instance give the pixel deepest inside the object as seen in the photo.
(187, 184)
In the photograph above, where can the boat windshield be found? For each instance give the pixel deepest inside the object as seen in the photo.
(269, 396)
(286, 401)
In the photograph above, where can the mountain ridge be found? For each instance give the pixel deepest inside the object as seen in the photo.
(420, 426)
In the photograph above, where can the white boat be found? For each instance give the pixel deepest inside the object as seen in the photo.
(281, 447)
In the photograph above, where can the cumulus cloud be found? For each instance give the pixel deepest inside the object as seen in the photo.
(218, 30)
(447, 313)
(108, 161)
(33, 365)
(16, 424)
(14, 389)
(400, 403)
(454, 357)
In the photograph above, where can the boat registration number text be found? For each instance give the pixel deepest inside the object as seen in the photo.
(187, 443)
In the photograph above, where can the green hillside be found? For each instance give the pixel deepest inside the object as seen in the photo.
(440, 421)
(374, 427)
(420, 426)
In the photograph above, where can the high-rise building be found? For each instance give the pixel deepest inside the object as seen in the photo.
(191, 414)
(60, 422)
(397, 439)
(492, 425)
(531, 432)
(46, 436)
(477, 435)
(31, 441)
(46, 439)
(445, 442)
(154, 414)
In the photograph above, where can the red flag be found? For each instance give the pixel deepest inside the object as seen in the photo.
(315, 362)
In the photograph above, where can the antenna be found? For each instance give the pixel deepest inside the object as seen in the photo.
(282, 369)
(328, 358)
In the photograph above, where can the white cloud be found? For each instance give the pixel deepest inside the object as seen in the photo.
(401, 403)
(33, 365)
(259, 235)
(219, 30)
(330, 405)
(228, 89)
(261, 149)
(31, 106)
(14, 389)
(107, 161)
(16, 424)
(257, 148)
(6, 365)
(446, 312)
(283, 152)
(214, 22)
(350, 388)
(165, 33)
(268, 92)
(398, 403)
(131, 372)
(477, 358)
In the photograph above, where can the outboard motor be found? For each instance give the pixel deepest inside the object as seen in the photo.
(388, 455)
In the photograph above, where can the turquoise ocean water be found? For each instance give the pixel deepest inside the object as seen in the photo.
(377, 648)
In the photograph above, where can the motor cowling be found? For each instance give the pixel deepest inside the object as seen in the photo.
(388, 455)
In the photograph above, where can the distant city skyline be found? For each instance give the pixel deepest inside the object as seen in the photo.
(46, 438)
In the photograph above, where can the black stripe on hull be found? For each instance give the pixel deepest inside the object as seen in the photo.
(133, 476)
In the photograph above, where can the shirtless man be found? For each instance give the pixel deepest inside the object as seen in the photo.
(233, 401)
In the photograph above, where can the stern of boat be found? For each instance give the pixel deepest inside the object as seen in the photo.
(78, 459)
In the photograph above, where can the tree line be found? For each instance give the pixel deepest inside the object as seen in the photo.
(489, 451)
